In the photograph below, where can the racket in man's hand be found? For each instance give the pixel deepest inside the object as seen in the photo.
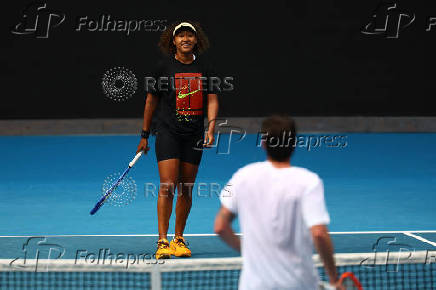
(347, 281)
(350, 282)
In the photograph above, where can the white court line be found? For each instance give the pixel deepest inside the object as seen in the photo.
(139, 235)
(382, 232)
(421, 239)
(214, 235)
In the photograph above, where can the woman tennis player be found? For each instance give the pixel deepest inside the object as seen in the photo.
(181, 94)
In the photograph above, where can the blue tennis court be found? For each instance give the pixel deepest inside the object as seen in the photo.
(377, 185)
(379, 193)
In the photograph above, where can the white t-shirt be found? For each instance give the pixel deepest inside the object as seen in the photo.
(276, 208)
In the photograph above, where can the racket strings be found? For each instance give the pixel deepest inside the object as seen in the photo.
(348, 284)
(123, 194)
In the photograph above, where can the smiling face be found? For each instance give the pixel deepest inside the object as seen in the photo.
(185, 41)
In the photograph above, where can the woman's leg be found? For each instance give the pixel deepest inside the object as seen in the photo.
(188, 173)
(168, 172)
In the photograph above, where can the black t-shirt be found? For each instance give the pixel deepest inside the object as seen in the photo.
(182, 90)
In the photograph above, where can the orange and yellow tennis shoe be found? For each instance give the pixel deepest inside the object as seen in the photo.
(179, 247)
(164, 250)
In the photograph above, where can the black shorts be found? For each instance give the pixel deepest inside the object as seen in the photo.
(186, 148)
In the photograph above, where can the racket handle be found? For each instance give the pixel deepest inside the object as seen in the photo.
(135, 159)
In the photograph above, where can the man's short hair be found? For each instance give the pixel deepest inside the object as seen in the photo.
(278, 133)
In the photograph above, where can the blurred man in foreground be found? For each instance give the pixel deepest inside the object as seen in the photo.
(282, 214)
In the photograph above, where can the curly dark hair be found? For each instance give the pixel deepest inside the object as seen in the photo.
(166, 39)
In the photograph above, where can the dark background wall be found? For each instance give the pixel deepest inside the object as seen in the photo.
(305, 58)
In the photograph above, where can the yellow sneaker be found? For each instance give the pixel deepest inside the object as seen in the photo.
(179, 247)
(163, 249)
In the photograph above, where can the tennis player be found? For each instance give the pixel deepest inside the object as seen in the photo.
(181, 94)
(281, 212)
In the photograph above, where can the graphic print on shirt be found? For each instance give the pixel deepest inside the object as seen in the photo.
(189, 95)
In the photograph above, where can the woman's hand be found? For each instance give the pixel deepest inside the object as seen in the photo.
(143, 146)
(209, 139)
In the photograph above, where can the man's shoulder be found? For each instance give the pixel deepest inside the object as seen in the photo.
(306, 173)
(306, 178)
(300, 174)
(253, 166)
(296, 170)
(249, 169)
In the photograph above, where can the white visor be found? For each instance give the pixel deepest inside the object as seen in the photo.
(183, 24)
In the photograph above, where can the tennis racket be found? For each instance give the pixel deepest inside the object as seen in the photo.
(115, 184)
(347, 281)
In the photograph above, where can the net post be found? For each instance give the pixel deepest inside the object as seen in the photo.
(155, 277)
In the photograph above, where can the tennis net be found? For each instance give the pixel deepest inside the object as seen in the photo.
(385, 271)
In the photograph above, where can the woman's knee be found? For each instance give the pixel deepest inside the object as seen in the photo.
(167, 188)
(184, 190)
